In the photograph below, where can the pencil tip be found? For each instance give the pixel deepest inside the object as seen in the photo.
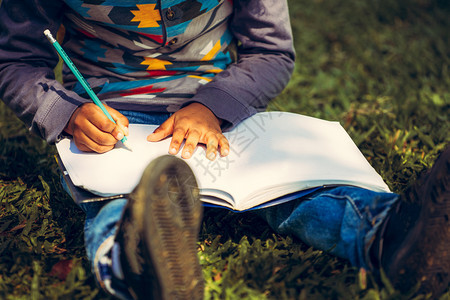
(127, 145)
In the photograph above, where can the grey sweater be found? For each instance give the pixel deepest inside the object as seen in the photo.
(147, 55)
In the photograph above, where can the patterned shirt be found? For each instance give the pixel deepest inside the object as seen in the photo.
(144, 55)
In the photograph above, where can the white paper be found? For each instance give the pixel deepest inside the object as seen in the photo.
(272, 154)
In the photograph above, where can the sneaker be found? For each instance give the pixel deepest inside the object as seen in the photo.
(158, 233)
(415, 240)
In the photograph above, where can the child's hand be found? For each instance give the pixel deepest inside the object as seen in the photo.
(197, 124)
(92, 131)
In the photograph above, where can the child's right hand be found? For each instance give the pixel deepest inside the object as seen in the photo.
(92, 131)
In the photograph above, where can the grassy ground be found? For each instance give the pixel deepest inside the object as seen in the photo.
(381, 68)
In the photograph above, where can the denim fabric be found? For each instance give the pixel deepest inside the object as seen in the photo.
(100, 223)
(342, 220)
(149, 118)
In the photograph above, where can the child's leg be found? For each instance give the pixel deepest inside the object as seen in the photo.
(343, 220)
(101, 223)
(101, 226)
(99, 231)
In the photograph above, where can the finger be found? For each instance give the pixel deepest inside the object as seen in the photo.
(99, 136)
(117, 116)
(118, 133)
(224, 145)
(96, 116)
(211, 146)
(191, 142)
(125, 129)
(98, 148)
(82, 147)
(163, 131)
(86, 125)
(121, 121)
(104, 131)
(177, 138)
(85, 143)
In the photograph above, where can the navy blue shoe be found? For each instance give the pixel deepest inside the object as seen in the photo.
(158, 233)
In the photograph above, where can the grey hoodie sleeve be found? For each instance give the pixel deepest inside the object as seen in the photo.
(265, 62)
(27, 59)
(27, 84)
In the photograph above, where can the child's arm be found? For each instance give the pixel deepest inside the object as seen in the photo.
(27, 59)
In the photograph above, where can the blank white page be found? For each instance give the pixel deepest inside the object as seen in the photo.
(272, 154)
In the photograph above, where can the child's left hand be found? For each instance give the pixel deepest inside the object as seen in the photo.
(197, 124)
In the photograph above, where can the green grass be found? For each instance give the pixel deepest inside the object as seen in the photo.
(381, 68)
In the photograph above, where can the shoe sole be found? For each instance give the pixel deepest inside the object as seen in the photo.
(171, 225)
(428, 262)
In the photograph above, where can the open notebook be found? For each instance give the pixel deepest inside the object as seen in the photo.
(273, 156)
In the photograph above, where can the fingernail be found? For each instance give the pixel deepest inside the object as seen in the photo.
(119, 136)
(150, 136)
(225, 152)
(125, 129)
(211, 156)
(187, 154)
(173, 151)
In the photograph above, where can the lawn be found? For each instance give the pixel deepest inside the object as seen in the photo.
(381, 68)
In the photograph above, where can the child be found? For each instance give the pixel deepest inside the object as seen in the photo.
(195, 68)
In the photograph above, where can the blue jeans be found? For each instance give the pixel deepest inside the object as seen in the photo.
(342, 220)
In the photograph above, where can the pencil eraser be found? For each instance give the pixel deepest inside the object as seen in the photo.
(49, 36)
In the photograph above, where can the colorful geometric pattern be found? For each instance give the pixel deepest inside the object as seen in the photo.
(147, 47)
(147, 15)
